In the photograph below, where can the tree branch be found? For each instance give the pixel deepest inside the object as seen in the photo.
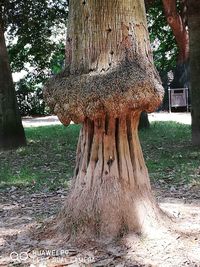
(178, 26)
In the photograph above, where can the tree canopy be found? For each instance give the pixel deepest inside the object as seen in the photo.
(34, 36)
(29, 26)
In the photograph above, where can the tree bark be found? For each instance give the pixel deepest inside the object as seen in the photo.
(110, 67)
(111, 192)
(178, 23)
(194, 33)
(11, 129)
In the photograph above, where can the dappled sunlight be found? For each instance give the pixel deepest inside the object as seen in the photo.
(170, 249)
(176, 245)
(186, 214)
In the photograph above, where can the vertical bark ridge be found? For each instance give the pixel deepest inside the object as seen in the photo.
(108, 80)
(112, 193)
(116, 30)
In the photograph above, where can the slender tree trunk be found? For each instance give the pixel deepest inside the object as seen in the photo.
(194, 32)
(11, 129)
(178, 22)
(109, 80)
(144, 121)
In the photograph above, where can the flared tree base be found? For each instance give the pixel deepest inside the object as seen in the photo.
(111, 193)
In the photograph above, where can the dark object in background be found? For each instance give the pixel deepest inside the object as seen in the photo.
(144, 121)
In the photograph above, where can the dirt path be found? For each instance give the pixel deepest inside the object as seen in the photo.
(184, 118)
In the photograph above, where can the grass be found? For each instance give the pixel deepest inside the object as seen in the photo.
(48, 161)
(169, 154)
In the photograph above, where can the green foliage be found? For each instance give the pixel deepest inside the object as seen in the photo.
(35, 42)
(29, 95)
(163, 45)
(162, 39)
(29, 89)
(30, 24)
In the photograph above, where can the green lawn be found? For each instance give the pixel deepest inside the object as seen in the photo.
(47, 162)
(169, 154)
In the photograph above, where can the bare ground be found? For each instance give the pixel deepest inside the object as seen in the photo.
(22, 213)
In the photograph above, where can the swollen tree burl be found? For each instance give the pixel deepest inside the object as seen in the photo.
(109, 79)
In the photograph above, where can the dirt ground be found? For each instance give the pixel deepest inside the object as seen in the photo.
(22, 213)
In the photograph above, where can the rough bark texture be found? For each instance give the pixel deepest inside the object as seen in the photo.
(108, 63)
(111, 193)
(11, 129)
(194, 31)
(109, 79)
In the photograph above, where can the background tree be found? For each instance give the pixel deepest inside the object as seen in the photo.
(34, 35)
(164, 49)
(108, 80)
(194, 33)
(176, 14)
(11, 129)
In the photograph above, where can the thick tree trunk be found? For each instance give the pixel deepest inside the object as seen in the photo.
(112, 40)
(194, 32)
(111, 193)
(108, 81)
(11, 129)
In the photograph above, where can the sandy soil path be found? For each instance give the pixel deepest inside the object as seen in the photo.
(184, 118)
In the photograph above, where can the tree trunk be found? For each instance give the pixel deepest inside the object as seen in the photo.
(111, 193)
(144, 121)
(11, 129)
(108, 81)
(178, 23)
(194, 33)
